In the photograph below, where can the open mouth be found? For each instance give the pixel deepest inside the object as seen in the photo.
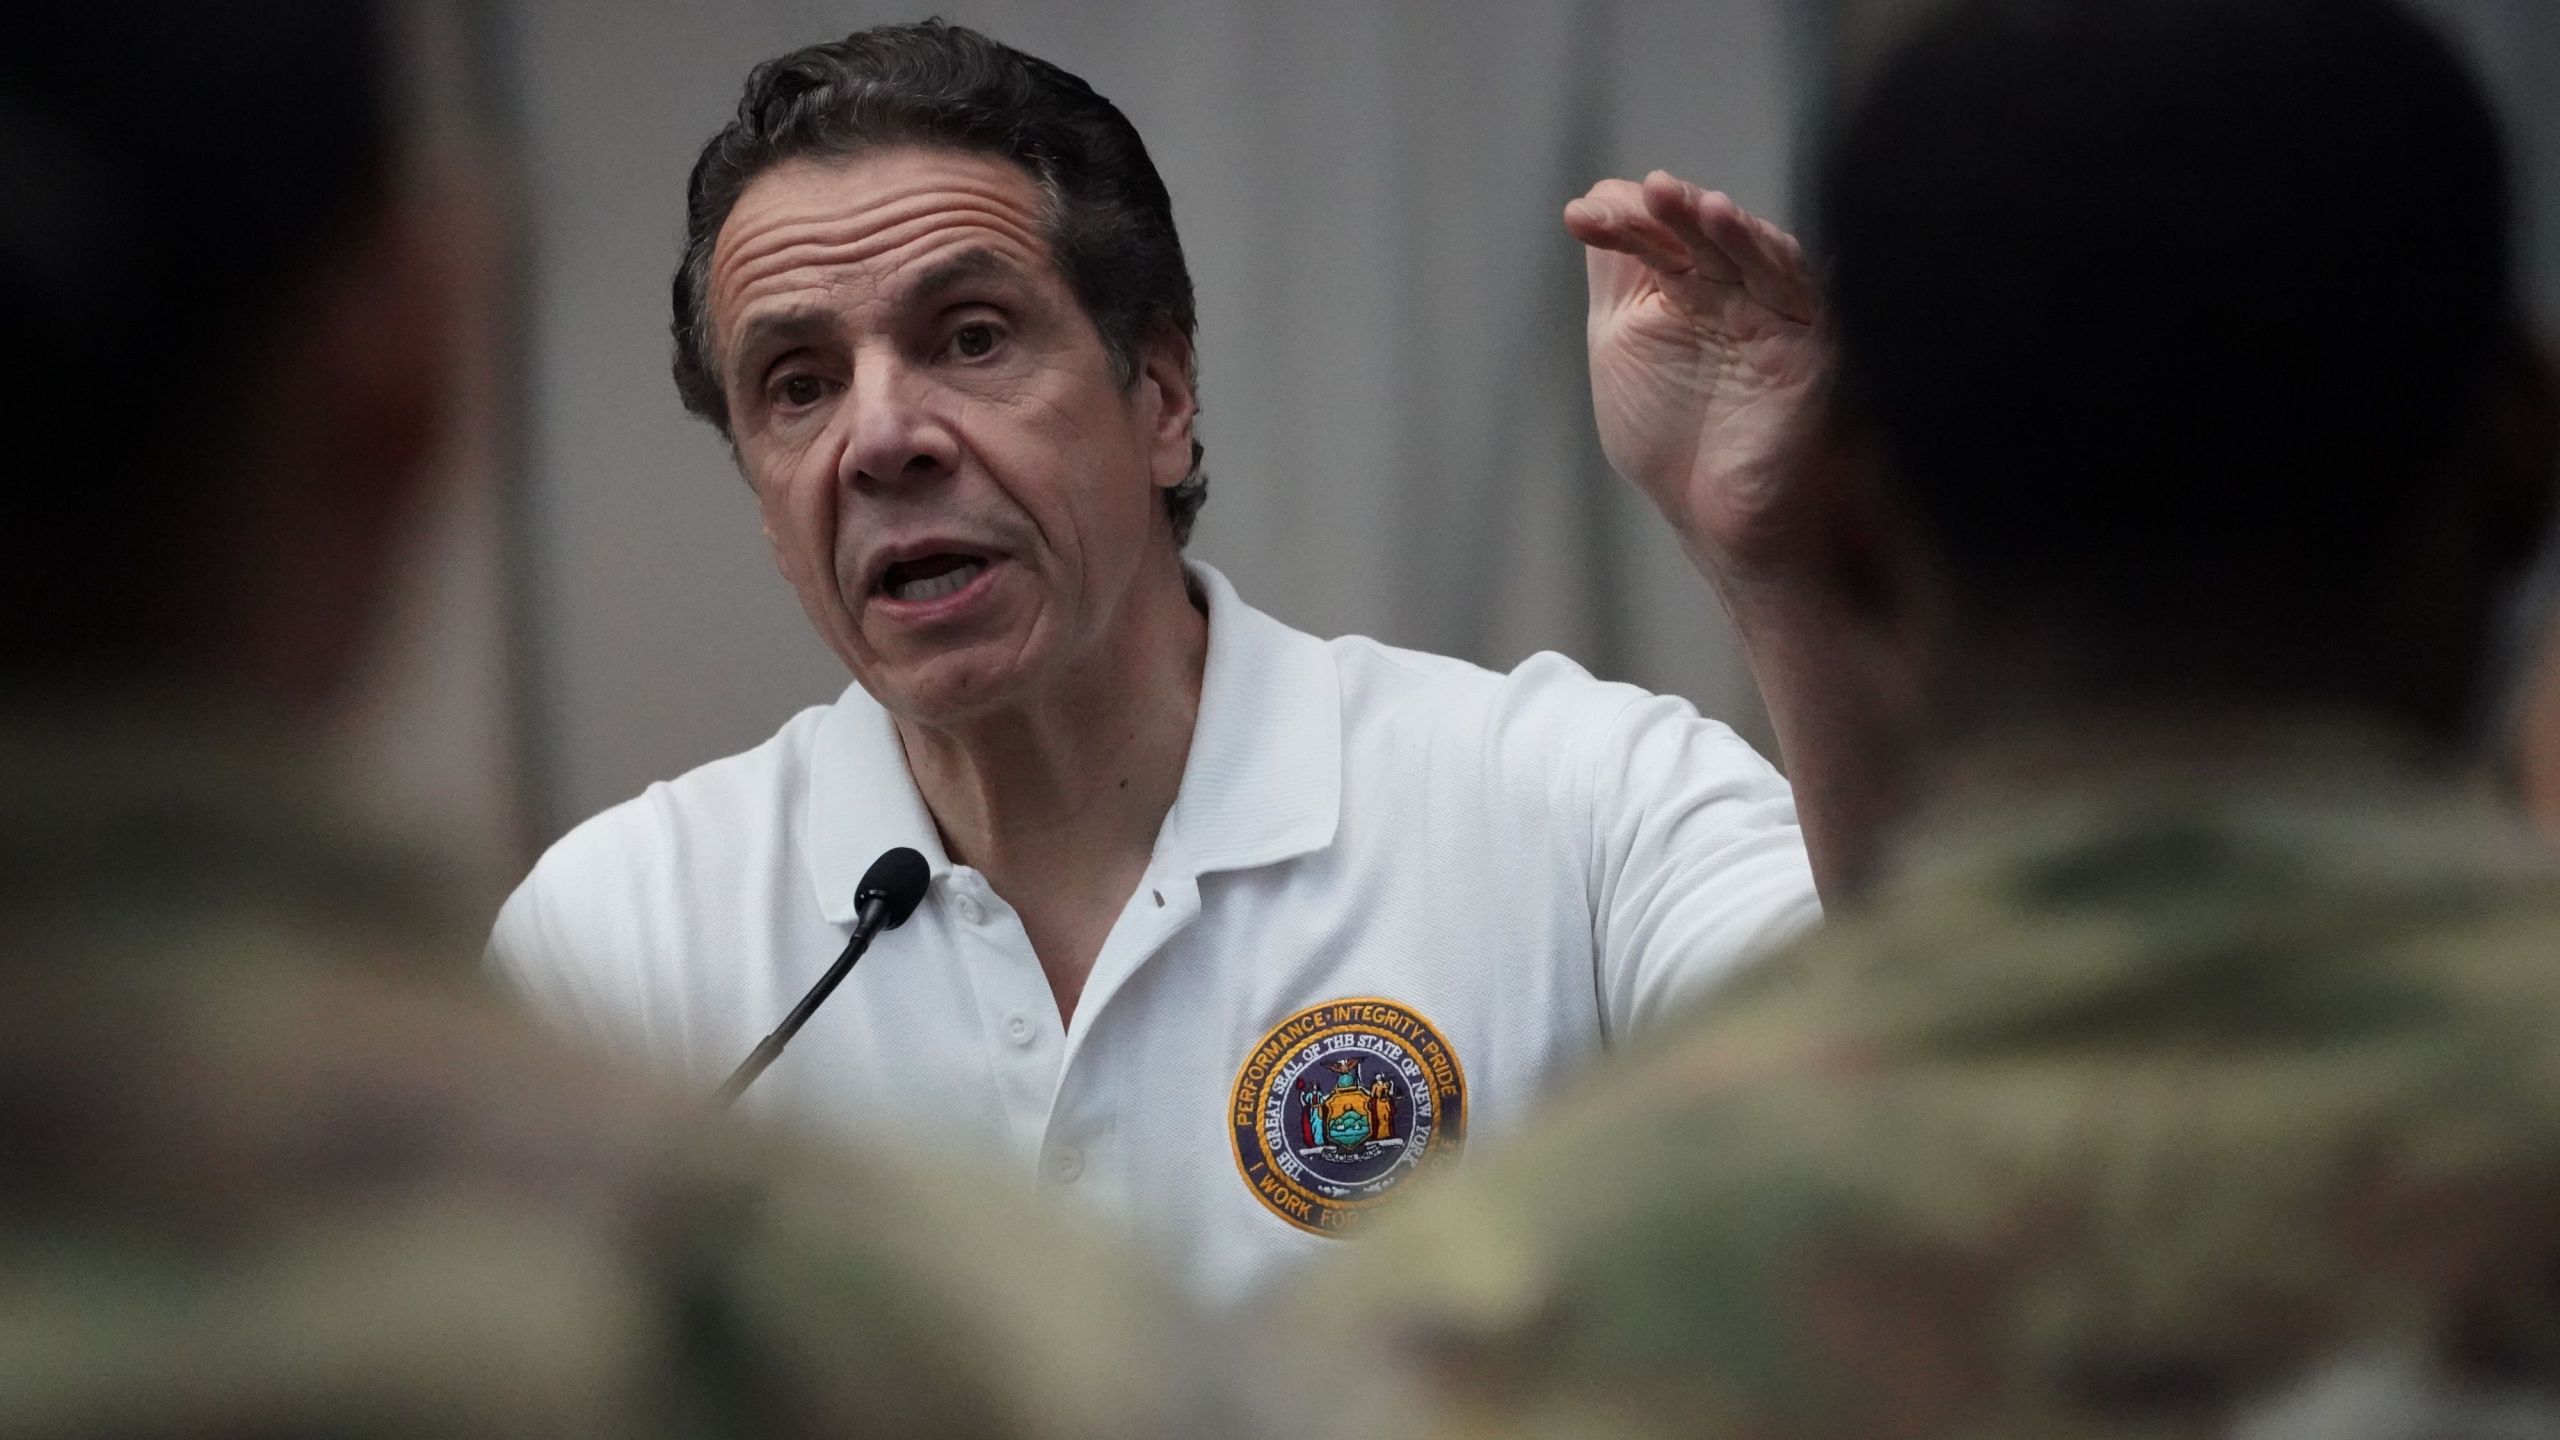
(930, 577)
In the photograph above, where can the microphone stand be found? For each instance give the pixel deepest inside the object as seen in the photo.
(890, 891)
(874, 909)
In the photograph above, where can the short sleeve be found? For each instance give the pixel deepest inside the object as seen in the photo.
(1697, 865)
(555, 940)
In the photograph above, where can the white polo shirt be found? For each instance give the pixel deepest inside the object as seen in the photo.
(1398, 900)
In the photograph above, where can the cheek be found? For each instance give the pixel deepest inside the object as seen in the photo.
(1036, 450)
(798, 511)
(1067, 454)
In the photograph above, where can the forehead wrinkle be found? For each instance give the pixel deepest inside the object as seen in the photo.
(816, 230)
(854, 239)
(812, 256)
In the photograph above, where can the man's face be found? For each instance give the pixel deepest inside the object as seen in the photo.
(954, 480)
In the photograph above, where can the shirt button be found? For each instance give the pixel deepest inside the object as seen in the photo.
(1017, 1028)
(970, 910)
(1066, 1165)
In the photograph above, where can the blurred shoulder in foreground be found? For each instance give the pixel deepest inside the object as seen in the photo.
(278, 1167)
(2133, 1113)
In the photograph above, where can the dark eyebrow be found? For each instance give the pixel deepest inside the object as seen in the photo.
(777, 328)
(975, 263)
(781, 328)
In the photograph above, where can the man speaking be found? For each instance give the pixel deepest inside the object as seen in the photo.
(1230, 931)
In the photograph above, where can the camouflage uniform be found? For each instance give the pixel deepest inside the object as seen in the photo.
(2181, 1109)
(273, 1166)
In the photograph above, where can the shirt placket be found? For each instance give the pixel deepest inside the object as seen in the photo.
(1103, 1090)
(1018, 1016)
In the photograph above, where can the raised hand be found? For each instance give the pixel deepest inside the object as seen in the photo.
(1706, 364)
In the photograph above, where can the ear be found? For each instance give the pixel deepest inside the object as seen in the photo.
(1864, 550)
(388, 358)
(1168, 406)
(361, 383)
(1899, 617)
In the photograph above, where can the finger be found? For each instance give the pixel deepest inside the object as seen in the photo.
(1640, 236)
(1612, 216)
(1764, 260)
(1772, 273)
(1610, 201)
(1783, 280)
(1680, 207)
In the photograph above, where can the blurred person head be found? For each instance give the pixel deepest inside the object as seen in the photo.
(232, 318)
(2183, 343)
(932, 295)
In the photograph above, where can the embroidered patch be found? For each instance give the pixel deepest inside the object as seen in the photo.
(1341, 1103)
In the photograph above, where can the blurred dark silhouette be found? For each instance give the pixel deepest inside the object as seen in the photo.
(2191, 1071)
(229, 309)
(2184, 375)
(276, 1166)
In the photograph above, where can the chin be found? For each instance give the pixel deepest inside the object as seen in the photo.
(950, 690)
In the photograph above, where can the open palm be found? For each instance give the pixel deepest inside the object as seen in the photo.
(1705, 361)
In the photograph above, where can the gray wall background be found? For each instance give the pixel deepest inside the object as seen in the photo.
(2517, 46)
(1398, 428)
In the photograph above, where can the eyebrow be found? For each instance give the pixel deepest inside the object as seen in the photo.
(780, 328)
(978, 262)
(776, 328)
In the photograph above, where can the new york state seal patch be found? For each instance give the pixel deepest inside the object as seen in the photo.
(1341, 1103)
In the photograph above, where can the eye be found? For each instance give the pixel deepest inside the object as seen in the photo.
(798, 392)
(975, 340)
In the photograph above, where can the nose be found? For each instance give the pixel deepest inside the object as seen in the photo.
(899, 434)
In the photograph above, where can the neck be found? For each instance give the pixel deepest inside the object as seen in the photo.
(1072, 785)
(2203, 739)
(2022, 677)
(2027, 758)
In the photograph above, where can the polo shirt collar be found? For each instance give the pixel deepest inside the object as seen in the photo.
(1263, 783)
(862, 801)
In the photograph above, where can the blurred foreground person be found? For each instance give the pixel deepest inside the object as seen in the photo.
(274, 1167)
(2196, 1069)
(2537, 738)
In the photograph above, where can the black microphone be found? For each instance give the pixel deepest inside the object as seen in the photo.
(891, 890)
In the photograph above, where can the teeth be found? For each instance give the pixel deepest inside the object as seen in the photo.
(949, 582)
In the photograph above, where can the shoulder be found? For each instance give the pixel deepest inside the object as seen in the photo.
(1618, 774)
(1921, 1084)
(711, 811)
(1386, 678)
(1544, 708)
(1547, 714)
(475, 1243)
(630, 872)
